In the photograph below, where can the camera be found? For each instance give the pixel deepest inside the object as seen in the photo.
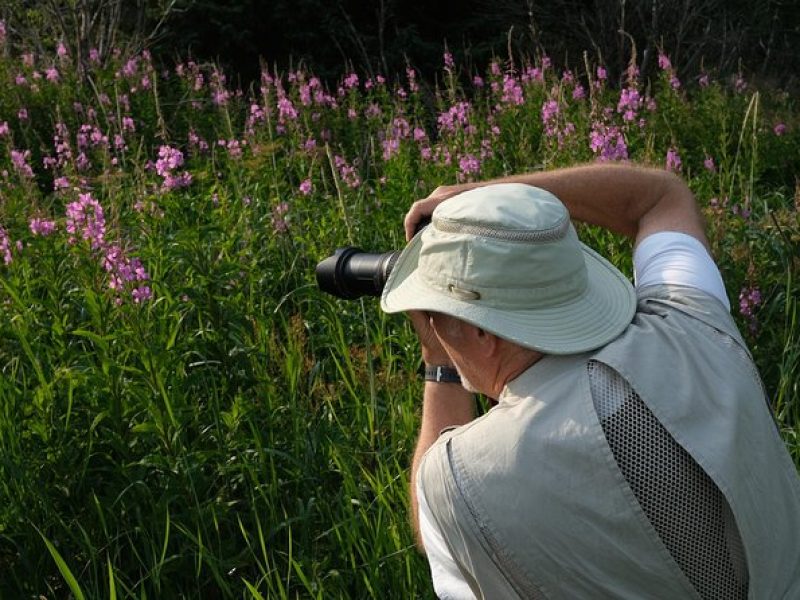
(351, 273)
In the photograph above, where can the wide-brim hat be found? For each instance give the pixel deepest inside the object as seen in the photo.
(506, 258)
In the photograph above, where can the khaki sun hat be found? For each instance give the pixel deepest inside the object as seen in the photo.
(506, 258)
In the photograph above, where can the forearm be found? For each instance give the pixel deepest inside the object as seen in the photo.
(631, 200)
(444, 405)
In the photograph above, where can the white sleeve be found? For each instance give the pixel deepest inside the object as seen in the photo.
(677, 258)
(448, 582)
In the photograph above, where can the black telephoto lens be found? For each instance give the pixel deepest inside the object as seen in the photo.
(351, 273)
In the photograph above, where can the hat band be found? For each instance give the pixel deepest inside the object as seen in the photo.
(563, 291)
(550, 234)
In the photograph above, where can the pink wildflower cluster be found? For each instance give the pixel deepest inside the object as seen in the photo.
(673, 162)
(468, 165)
(124, 271)
(5, 246)
(347, 172)
(512, 91)
(749, 301)
(401, 130)
(551, 111)
(630, 102)
(280, 221)
(169, 160)
(219, 93)
(665, 64)
(85, 218)
(20, 161)
(42, 227)
(608, 143)
(455, 118)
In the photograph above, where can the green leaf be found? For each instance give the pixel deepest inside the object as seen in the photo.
(65, 572)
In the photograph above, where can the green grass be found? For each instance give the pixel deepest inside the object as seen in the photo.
(240, 434)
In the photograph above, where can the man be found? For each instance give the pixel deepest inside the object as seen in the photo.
(632, 453)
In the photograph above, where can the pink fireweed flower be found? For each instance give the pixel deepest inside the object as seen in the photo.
(170, 159)
(350, 81)
(703, 80)
(608, 143)
(630, 102)
(579, 93)
(749, 301)
(286, 110)
(125, 272)
(477, 81)
(512, 91)
(20, 79)
(62, 51)
(5, 246)
(373, 111)
(42, 227)
(411, 75)
(779, 129)
(280, 222)
(740, 85)
(455, 118)
(550, 111)
(673, 160)
(449, 63)
(85, 218)
(469, 164)
(4, 128)
(306, 187)
(60, 183)
(390, 147)
(20, 161)
(141, 293)
(674, 82)
(708, 163)
(22, 114)
(602, 74)
(94, 56)
(532, 74)
(664, 62)
(347, 172)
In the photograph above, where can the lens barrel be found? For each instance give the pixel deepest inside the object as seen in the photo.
(351, 273)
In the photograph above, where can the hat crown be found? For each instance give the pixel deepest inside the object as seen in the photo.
(511, 211)
(505, 245)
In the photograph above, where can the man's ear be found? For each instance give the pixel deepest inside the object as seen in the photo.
(488, 343)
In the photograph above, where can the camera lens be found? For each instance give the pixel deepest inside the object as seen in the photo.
(351, 273)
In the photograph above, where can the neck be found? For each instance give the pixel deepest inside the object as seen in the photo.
(513, 361)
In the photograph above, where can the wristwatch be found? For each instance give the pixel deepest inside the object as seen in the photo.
(441, 374)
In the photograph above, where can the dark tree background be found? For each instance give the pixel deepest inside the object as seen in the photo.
(758, 38)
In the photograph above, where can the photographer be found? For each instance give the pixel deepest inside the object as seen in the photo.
(632, 452)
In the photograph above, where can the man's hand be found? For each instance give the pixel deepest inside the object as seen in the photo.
(432, 351)
(422, 209)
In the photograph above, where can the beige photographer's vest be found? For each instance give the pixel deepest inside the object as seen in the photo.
(651, 468)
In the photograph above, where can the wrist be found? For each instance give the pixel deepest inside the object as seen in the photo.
(442, 374)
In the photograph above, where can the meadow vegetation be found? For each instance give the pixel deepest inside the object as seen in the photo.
(182, 412)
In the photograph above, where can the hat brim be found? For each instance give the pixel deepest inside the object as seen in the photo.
(589, 321)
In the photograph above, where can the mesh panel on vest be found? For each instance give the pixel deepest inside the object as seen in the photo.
(684, 506)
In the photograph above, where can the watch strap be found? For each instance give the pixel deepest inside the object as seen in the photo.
(441, 374)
